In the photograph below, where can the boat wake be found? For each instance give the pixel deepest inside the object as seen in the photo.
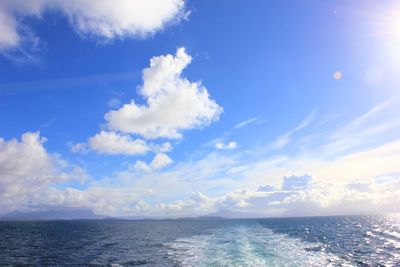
(249, 246)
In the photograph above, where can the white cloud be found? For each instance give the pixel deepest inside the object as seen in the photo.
(174, 104)
(26, 163)
(164, 147)
(140, 165)
(367, 195)
(9, 37)
(347, 183)
(374, 126)
(78, 147)
(176, 192)
(284, 139)
(281, 141)
(296, 182)
(160, 161)
(377, 161)
(248, 122)
(115, 143)
(26, 168)
(370, 195)
(222, 146)
(120, 18)
(103, 18)
(103, 200)
(266, 188)
(363, 180)
(245, 123)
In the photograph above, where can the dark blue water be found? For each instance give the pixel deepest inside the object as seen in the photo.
(317, 241)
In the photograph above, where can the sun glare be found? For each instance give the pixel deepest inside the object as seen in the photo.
(389, 31)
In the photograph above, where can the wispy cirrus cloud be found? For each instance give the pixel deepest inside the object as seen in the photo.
(71, 83)
(245, 123)
(284, 139)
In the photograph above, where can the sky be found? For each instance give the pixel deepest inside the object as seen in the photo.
(184, 108)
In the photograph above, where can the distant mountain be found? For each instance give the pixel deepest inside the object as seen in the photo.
(138, 217)
(225, 214)
(205, 217)
(87, 214)
(75, 214)
(229, 214)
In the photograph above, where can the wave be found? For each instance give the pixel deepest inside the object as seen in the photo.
(249, 246)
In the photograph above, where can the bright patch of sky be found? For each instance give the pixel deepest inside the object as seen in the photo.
(191, 107)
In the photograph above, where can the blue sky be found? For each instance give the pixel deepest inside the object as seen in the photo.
(200, 106)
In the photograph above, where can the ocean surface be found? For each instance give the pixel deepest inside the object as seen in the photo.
(311, 241)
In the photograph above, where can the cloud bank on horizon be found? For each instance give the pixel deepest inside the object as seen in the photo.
(176, 145)
(354, 182)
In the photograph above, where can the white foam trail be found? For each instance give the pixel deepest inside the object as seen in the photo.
(249, 246)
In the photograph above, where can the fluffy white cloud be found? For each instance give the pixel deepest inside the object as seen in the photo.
(115, 143)
(222, 146)
(119, 18)
(369, 195)
(104, 18)
(160, 161)
(173, 104)
(163, 147)
(26, 168)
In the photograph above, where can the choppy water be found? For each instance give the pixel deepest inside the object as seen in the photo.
(318, 241)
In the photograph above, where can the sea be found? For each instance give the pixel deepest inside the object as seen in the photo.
(308, 241)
